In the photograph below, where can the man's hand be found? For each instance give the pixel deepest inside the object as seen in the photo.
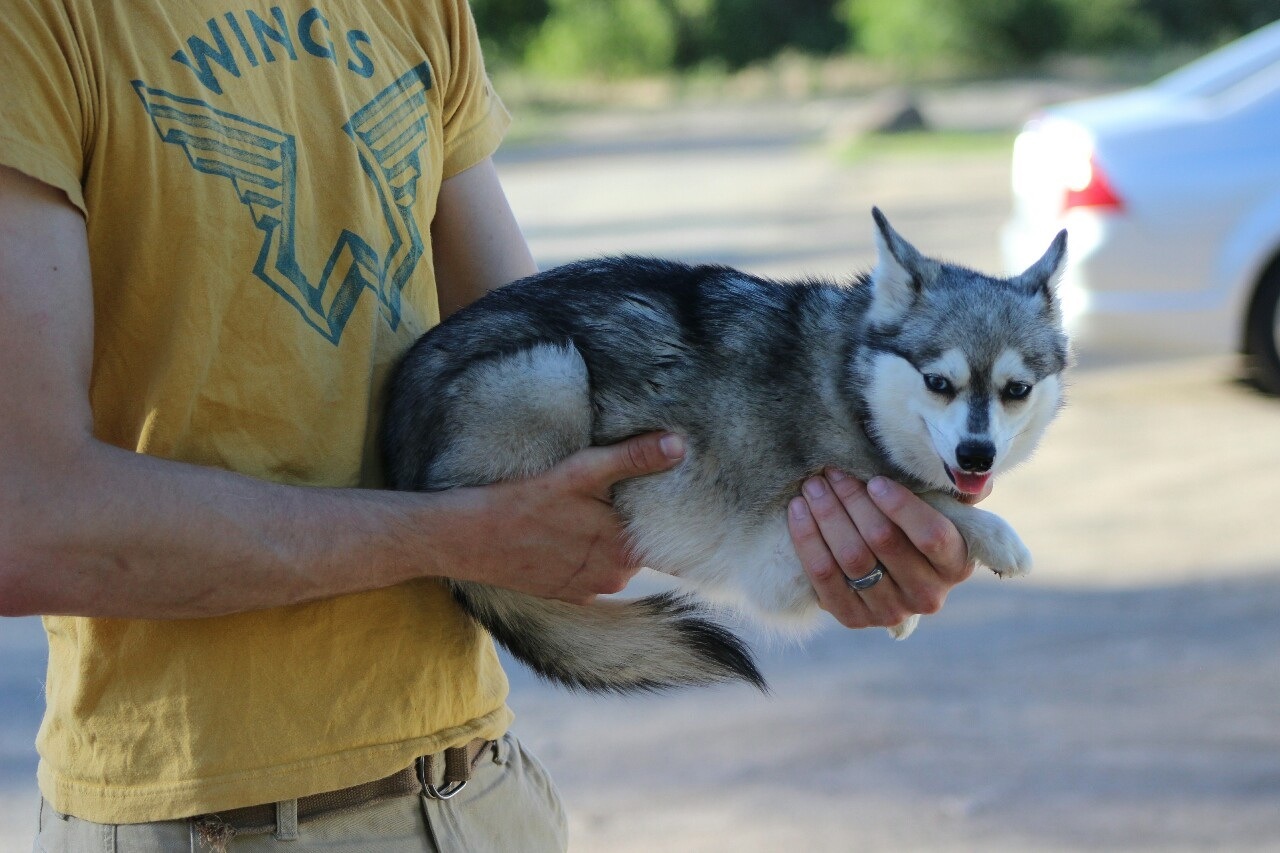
(556, 535)
(841, 528)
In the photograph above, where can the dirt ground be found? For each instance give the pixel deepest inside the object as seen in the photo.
(1125, 697)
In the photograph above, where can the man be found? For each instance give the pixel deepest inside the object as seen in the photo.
(219, 228)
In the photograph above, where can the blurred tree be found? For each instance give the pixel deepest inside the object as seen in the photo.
(622, 37)
(916, 34)
(1095, 25)
(1197, 21)
(615, 39)
(507, 26)
(990, 33)
(736, 33)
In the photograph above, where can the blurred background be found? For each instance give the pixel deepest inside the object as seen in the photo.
(1127, 695)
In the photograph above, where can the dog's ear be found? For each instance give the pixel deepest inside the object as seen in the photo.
(1042, 277)
(901, 273)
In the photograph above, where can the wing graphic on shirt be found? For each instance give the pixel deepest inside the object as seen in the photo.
(261, 163)
(389, 133)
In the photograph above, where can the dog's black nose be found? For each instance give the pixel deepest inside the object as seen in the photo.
(975, 457)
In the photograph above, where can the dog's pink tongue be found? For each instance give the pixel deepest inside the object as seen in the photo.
(970, 484)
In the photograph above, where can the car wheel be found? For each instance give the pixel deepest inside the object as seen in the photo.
(1262, 335)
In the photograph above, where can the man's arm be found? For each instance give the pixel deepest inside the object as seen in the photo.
(91, 529)
(475, 239)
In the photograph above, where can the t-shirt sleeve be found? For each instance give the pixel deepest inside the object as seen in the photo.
(44, 111)
(475, 119)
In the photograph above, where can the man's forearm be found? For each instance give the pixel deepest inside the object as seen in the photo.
(114, 533)
(99, 531)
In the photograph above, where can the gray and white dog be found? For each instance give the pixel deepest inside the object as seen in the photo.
(929, 373)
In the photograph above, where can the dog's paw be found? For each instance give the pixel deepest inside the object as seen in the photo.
(904, 628)
(995, 545)
(1006, 556)
(992, 542)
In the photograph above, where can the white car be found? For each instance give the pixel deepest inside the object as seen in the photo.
(1171, 196)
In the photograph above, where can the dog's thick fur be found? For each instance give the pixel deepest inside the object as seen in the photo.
(929, 373)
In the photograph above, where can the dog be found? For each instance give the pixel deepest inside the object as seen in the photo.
(926, 372)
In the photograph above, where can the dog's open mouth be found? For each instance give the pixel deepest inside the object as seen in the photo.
(965, 483)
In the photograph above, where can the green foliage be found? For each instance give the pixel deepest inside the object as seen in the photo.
(736, 33)
(1097, 25)
(905, 32)
(1201, 21)
(507, 26)
(615, 39)
(917, 34)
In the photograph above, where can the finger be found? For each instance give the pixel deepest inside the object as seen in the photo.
(884, 601)
(598, 468)
(826, 576)
(930, 532)
(839, 533)
(910, 584)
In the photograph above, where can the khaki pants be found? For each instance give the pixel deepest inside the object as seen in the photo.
(510, 804)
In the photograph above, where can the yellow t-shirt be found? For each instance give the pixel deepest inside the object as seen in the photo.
(258, 183)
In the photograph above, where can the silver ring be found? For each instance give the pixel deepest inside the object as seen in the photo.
(868, 580)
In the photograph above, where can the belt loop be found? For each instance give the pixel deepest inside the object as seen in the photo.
(457, 772)
(287, 820)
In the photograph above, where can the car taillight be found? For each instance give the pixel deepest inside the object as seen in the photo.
(1088, 186)
(1056, 169)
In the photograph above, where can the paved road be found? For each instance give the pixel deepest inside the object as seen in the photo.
(1124, 698)
(1127, 697)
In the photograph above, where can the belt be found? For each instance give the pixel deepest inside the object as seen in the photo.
(421, 777)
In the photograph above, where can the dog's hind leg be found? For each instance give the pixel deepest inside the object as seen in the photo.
(514, 416)
(517, 415)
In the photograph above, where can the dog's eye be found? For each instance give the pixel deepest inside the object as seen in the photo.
(938, 384)
(1016, 391)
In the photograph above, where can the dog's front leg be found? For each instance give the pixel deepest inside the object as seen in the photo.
(991, 541)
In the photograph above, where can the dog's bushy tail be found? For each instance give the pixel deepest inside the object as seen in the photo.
(611, 646)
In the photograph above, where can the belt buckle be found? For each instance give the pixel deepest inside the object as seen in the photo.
(447, 791)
